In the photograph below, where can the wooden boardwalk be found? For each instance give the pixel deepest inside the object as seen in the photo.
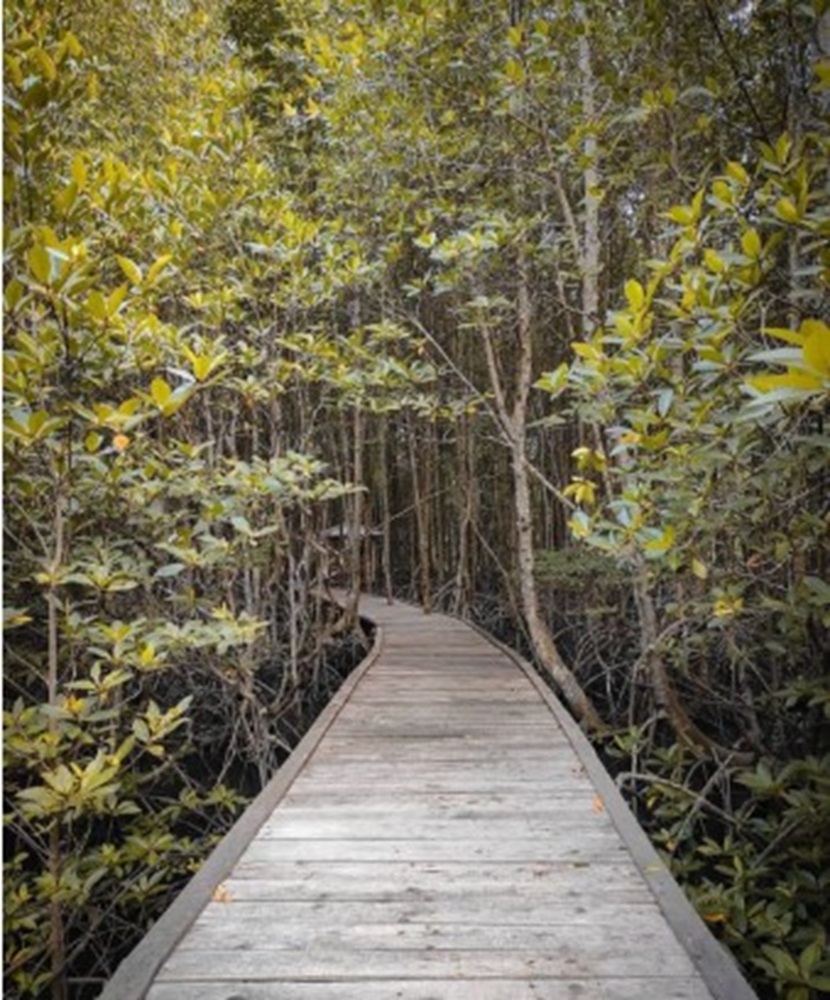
(444, 832)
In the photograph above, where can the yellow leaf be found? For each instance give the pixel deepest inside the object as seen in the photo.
(116, 299)
(130, 269)
(79, 171)
(726, 607)
(787, 210)
(737, 172)
(681, 214)
(624, 325)
(584, 350)
(583, 491)
(160, 391)
(723, 192)
(598, 805)
(782, 333)
(582, 456)
(221, 894)
(46, 63)
(714, 261)
(751, 243)
(158, 266)
(793, 379)
(74, 705)
(92, 442)
(663, 542)
(202, 365)
(579, 527)
(73, 46)
(817, 346)
(635, 294)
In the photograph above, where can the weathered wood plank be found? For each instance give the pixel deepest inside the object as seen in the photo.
(318, 949)
(342, 958)
(584, 848)
(474, 907)
(295, 824)
(263, 874)
(582, 806)
(390, 786)
(655, 988)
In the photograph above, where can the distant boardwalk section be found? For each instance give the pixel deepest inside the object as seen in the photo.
(444, 832)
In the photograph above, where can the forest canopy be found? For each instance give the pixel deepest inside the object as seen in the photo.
(515, 309)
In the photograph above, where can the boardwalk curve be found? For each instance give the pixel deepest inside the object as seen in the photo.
(443, 832)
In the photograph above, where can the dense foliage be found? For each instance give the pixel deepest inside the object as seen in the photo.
(516, 308)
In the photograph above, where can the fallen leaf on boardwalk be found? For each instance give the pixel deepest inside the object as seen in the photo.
(598, 804)
(221, 895)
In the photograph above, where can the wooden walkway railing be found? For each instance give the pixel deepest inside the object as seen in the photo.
(443, 832)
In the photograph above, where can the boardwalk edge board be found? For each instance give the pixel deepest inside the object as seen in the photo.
(714, 962)
(136, 973)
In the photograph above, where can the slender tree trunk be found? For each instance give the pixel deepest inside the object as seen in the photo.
(356, 526)
(57, 935)
(515, 424)
(543, 642)
(661, 683)
(383, 472)
(421, 524)
(463, 576)
(590, 236)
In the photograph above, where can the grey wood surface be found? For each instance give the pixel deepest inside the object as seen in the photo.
(448, 837)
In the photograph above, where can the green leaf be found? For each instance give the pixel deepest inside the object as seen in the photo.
(242, 525)
(40, 264)
(96, 306)
(39, 801)
(699, 569)
(170, 570)
(811, 956)
(553, 382)
(141, 730)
